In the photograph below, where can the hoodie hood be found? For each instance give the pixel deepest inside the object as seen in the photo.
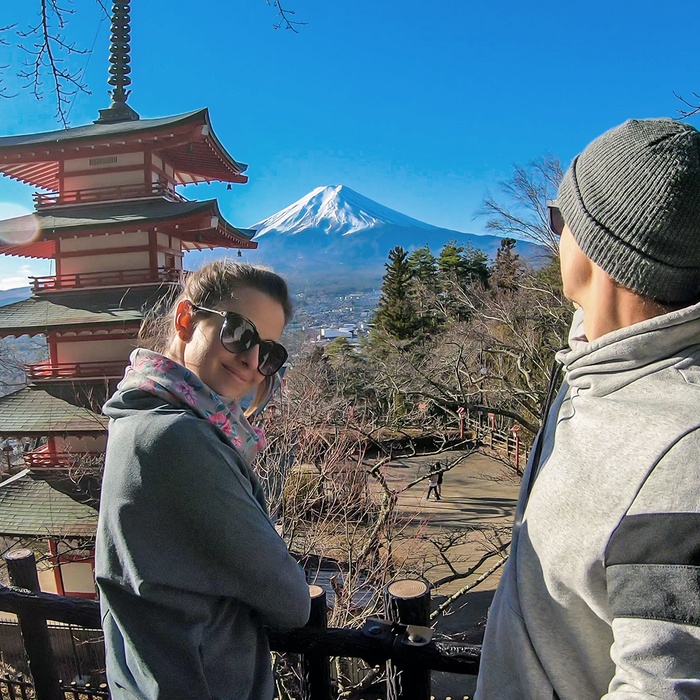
(618, 358)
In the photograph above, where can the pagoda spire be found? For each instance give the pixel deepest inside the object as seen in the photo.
(119, 58)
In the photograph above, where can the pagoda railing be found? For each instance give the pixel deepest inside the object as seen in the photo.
(44, 459)
(105, 278)
(107, 194)
(51, 371)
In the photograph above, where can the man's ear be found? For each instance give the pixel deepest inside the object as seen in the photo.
(184, 325)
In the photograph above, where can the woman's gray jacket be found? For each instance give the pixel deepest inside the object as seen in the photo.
(188, 565)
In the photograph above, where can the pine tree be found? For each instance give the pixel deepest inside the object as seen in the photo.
(476, 266)
(396, 312)
(507, 268)
(424, 286)
(451, 263)
(423, 266)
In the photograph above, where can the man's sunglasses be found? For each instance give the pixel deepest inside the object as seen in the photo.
(556, 220)
(239, 335)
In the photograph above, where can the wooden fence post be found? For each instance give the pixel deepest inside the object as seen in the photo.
(315, 669)
(21, 567)
(407, 601)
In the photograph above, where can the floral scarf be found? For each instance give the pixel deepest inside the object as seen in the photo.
(162, 377)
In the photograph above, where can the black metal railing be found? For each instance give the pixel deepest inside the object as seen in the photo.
(402, 641)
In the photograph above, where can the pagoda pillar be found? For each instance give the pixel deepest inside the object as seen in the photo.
(153, 253)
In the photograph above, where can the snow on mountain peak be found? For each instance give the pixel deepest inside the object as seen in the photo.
(334, 210)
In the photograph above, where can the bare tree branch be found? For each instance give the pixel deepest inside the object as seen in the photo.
(50, 64)
(285, 17)
(693, 107)
(523, 214)
(451, 599)
(48, 52)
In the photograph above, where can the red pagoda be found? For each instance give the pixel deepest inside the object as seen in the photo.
(109, 215)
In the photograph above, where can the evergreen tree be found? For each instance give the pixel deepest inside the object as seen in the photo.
(507, 268)
(423, 266)
(339, 351)
(396, 312)
(463, 265)
(476, 266)
(424, 286)
(451, 263)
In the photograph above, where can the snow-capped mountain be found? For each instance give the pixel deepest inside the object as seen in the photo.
(335, 234)
(334, 210)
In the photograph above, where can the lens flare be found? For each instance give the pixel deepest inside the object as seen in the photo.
(18, 225)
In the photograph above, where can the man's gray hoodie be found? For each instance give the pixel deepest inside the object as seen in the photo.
(188, 564)
(600, 597)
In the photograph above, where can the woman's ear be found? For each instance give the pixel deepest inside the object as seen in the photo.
(184, 325)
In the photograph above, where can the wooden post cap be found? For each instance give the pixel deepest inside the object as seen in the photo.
(407, 588)
(315, 591)
(15, 554)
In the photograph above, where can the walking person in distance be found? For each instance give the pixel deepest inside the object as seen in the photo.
(433, 483)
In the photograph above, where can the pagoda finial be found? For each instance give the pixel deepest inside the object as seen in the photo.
(119, 69)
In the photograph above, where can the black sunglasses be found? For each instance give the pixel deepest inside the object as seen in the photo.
(238, 335)
(556, 220)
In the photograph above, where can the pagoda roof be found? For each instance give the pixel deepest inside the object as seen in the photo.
(185, 141)
(198, 224)
(34, 412)
(76, 310)
(31, 508)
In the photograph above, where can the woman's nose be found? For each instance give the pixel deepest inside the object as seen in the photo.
(250, 356)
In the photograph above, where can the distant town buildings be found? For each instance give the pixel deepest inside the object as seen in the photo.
(322, 317)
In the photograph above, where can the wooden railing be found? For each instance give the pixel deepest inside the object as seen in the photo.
(106, 278)
(403, 641)
(506, 444)
(51, 371)
(106, 194)
(19, 687)
(44, 459)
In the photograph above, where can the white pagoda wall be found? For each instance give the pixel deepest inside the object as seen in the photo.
(87, 350)
(108, 261)
(74, 444)
(165, 167)
(87, 180)
(169, 246)
(77, 577)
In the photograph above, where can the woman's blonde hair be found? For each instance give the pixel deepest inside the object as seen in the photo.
(208, 286)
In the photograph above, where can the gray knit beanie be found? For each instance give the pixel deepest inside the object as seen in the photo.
(632, 202)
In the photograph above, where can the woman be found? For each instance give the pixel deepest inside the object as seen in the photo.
(188, 564)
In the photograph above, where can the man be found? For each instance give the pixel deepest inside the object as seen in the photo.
(601, 595)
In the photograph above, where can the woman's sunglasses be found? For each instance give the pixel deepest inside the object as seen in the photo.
(239, 335)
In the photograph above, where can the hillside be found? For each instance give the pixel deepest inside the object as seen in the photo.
(10, 296)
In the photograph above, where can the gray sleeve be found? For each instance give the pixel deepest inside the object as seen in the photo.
(653, 578)
(188, 520)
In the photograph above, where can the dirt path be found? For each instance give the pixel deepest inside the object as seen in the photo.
(478, 495)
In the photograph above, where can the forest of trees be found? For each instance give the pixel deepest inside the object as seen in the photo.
(449, 331)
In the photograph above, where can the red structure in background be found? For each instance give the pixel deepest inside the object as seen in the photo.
(109, 216)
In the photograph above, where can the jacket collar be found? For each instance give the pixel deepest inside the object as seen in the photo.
(619, 358)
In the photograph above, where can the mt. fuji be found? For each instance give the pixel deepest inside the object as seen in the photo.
(336, 235)
(335, 211)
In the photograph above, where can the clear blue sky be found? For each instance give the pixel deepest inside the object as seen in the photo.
(420, 106)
